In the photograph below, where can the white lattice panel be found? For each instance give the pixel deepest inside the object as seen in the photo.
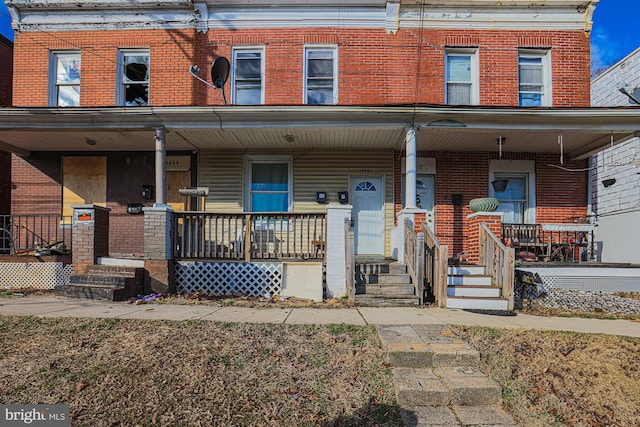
(36, 275)
(226, 278)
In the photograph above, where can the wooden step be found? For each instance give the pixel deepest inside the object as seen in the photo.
(478, 303)
(385, 289)
(474, 291)
(367, 300)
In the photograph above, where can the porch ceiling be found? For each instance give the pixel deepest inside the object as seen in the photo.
(440, 128)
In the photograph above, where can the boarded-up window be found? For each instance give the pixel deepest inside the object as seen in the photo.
(84, 181)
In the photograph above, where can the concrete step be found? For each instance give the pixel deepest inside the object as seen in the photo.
(425, 346)
(385, 289)
(478, 303)
(427, 416)
(367, 300)
(466, 269)
(91, 291)
(115, 270)
(114, 281)
(474, 291)
(381, 268)
(128, 262)
(474, 280)
(444, 387)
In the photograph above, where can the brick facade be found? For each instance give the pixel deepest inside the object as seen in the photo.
(375, 68)
(388, 62)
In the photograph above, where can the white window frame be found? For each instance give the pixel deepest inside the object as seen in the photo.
(545, 56)
(54, 85)
(517, 167)
(334, 51)
(234, 55)
(250, 160)
(472, 53)
(120, 81)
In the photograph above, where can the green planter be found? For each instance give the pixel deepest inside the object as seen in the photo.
(484, 204)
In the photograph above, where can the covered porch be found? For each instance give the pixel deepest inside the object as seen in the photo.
(329, 150)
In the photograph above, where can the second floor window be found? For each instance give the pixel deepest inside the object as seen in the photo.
(65, 79)
(461, 78)
(533, 79)
(133, 78)
(320, 75)
(247, 72)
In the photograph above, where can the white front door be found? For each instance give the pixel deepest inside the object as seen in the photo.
(367, 196)
(425, 190)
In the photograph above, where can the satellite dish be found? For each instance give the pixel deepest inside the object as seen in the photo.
(219, 74)
(220, 71)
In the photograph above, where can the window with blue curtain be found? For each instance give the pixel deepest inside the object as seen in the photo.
(269, 187)
(514, 200)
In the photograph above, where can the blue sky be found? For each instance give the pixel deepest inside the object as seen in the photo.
(614, 34)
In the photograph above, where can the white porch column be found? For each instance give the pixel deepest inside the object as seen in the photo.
(161, 168)
(336, 257)
(410, 172)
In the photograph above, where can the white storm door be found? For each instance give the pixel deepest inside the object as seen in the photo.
(425, 190)
(368, 215)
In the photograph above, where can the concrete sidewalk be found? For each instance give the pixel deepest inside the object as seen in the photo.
(52, 306)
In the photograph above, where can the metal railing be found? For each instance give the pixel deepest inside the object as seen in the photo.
(426, 261)
(249, 236)
(35, 234)
(499, 261)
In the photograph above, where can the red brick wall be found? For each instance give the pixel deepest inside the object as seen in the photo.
(37, 189)
(36, 184)
(374, 67)
(560, 194)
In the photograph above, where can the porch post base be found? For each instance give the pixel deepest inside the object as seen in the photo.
(90, 236)
(493, 221)
(417, 217)
(336, 257)
(160, 278)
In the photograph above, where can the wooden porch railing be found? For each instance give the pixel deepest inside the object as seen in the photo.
(28, 234)
(499, 261)
(426, 261)
(350, 259)
(249, 236)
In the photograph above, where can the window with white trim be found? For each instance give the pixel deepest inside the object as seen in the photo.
(64, 74)
(133, 78)
(518, 201)
(461, 77)
(534, 78)
(514, 201)
(268, 183)
(320, 75)
(246, 76)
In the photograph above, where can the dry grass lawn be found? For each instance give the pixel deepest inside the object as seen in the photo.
(116, 372)
(560, 378)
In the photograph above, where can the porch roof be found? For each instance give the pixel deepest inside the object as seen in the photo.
(440, 128)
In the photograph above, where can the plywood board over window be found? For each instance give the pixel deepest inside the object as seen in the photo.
(84, 181)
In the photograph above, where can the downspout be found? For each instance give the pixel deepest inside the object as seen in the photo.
(161, 168)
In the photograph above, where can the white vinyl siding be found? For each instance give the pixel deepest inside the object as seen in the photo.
(328, 171)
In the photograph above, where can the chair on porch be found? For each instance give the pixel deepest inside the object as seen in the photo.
(526, 239)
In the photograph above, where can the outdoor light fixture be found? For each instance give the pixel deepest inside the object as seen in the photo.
(90, 141)
(608, 182)
(289, 138)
